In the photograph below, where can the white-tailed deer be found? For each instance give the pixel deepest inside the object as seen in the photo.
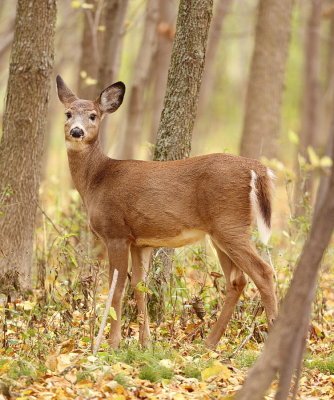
(134, 206)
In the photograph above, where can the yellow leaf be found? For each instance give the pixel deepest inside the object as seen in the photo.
(67, 346)
(51, 362)
(75, 4)
(178, 396)
(85, 383)
(301, 160)
(325, 162)
(101, 28)
(83, 74)
(218, 370)
(27, 305)
(90, 81)
(87, 6)
(112, 313)
(142, 288)
(4, 368)
(293, 137)
(314, 159)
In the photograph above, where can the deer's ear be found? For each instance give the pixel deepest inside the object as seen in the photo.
(111, 97)
(66, 96)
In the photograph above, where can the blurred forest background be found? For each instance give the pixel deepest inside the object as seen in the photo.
(265, 93)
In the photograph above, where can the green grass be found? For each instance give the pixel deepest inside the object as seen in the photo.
(18, 368)
(325, 365)
(155, 372)
(121, 380)
(246, 358)
(191, 371)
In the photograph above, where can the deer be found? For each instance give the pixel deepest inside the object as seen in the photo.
(134, 206)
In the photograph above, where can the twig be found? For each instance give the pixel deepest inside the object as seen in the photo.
(242, 344)
(106, 312)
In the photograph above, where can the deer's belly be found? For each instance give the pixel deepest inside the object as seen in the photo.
(183, 239)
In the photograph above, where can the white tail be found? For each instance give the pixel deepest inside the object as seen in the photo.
(134, 206)
(263, 223)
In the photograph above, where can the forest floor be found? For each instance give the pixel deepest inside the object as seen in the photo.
(46, 339)
(46, 354)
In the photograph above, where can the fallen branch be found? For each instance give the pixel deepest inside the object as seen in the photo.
(106, 312)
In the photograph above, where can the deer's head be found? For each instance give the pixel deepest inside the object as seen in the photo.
(83, 117)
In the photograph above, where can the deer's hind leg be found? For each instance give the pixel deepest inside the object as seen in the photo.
(235, 283)
(140, 265)
(244, 256)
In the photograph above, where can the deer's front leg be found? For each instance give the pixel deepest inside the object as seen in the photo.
(140, 265)
(118, 252)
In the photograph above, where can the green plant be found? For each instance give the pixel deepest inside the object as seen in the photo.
(246, 358)
(325, 365)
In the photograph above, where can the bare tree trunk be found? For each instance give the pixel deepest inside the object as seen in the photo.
(311, 93)
(114, 16)
(328, 107)
(209, 76)
(262, 119)
(184, 80)
(166, 32)
(284, 348)
(24, 124)
(143, 63)
(88, 60)
(219, 15)
(180, 104)
(310, 99)
(112, 42)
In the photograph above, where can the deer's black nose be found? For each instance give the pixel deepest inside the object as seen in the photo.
(76, 132)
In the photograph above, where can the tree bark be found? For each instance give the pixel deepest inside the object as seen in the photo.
(112, 43)
(109, 60)
(184, 80)
(142, 68)
(209, 74)
(262, 119)
(24, 124)
(220, 13)
(311, 93)
(166, 33)
(88, 60)
(283, 350)
(310, 113)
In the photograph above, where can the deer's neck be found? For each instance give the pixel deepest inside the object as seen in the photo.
(85, 163)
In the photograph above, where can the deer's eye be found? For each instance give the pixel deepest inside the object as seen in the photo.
(68, 115)
(92, 117)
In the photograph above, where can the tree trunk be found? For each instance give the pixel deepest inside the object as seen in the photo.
(328, 107)
(180, 104)
(24, 124)
(284, 348)
(112, 43)
(262, 119)
(311, 93)
(166, 32)
(310, 100)
(88, 60)
(109, 61)
(142, 68)
(184, 80)
(209, 75)
(221, 11)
